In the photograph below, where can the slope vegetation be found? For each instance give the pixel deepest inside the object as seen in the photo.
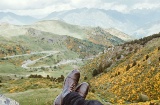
(35, 40)
(96, 35)
(127, 73)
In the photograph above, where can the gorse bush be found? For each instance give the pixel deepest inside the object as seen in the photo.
(128, 67)
(134, 63)
(134, 73)
(95, 72)
(147, 56)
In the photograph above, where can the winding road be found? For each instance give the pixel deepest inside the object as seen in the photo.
(29, 62)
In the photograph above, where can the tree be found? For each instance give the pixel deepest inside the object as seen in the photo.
(128, 67)
(147, 56)
(95, 72)
(134, 63)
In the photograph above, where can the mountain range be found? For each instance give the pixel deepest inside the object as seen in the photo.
(137, 23)
(16, 19)
(96, 35)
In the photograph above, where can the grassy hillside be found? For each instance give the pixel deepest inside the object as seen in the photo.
(126, 73)
(11, 47)
(100, 36)
(34, 59)
(96, 35)
(36, 41)
(60, 28)
(35, 91)
(8, 30)
(37, 45)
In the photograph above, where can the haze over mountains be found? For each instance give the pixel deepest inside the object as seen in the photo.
(136, 23)
(16, 19)
(96, 35)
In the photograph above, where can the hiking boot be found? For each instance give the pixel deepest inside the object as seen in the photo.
(82, 89)
(69, 85)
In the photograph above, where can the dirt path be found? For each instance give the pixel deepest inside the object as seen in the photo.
(29, 62)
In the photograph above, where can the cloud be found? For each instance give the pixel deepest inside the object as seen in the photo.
(114, 6)
(26, 4)
(39, 13)
(35, 8)
(146, 6)
(40, 8)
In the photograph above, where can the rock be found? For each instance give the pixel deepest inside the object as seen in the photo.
(149, 61)
(7, 101)
(143, 98)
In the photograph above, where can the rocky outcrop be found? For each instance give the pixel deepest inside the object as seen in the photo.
(7, 101)
(143, 98)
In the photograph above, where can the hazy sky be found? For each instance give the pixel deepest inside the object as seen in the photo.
(40, 8)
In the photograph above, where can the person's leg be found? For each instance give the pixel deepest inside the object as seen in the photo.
(74, 98)
(70, 84)
(73, 94)
(81, 89)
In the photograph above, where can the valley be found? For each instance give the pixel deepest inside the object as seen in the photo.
(35, 58)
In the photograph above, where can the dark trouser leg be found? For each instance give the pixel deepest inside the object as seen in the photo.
(74, 98)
